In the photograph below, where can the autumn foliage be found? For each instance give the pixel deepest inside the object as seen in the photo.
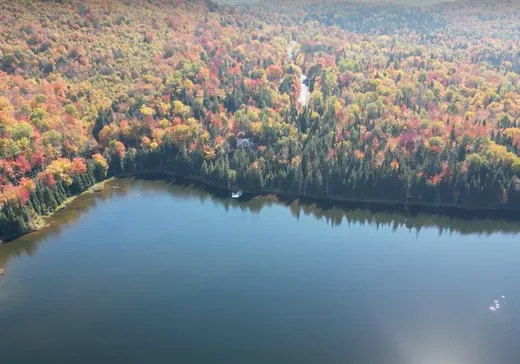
(408, 105)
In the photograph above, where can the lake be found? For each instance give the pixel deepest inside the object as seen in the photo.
(158, 272)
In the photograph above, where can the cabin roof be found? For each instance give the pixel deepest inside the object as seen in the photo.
(243, 141)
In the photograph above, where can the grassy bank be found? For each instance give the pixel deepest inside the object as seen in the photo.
(94, 188)
(40, 221)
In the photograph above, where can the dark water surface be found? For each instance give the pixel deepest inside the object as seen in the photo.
(151, 272)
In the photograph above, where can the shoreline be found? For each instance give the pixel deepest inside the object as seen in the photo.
(41, 220)
(375, 205)
(413, 209)
(98, 187)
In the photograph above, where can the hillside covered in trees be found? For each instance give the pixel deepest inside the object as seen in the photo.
(416, 106)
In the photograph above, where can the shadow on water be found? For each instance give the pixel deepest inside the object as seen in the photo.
(334, 214)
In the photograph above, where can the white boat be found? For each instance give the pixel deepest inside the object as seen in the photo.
(236, 194)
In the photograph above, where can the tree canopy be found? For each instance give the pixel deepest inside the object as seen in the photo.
(407, 105)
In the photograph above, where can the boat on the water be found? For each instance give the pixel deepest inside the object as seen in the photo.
(236, 194)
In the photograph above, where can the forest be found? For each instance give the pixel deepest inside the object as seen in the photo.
(407, 105)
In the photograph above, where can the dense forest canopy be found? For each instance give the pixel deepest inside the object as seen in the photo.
(407, 105)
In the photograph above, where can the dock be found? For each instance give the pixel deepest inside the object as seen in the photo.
(237, 194)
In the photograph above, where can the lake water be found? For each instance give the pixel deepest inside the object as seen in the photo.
(152, 272)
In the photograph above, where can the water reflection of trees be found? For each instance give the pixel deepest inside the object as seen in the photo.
(335, 215)
(60, 220)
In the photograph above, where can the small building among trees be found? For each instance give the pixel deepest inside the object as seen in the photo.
(244, 143)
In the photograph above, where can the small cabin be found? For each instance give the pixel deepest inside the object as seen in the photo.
(244, 143)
